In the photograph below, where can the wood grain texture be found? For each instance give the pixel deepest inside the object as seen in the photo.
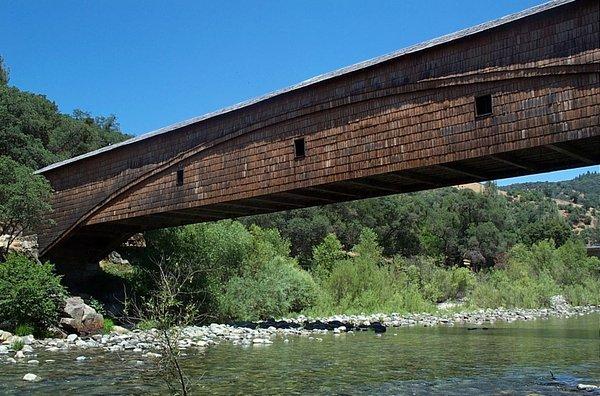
(403, 125)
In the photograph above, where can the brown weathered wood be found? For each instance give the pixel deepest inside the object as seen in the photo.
(403, 123)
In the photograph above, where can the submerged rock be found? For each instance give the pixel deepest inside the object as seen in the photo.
(31, 377)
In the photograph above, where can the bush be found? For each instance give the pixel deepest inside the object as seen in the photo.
(108, 325)
(97, 305)
(17, 345)
(277, 289)
(326, 254)
(242, 273)
(23, 330)
(366, 282)
(29, 293)
(147, 325)
(536, 273)
(24, 200)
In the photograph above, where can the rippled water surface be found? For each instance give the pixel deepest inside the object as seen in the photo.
(514, 358)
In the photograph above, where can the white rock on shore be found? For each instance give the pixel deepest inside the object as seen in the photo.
(587, 387)
(147, 344)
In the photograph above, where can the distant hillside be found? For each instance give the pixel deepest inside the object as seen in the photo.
(578, 201)
(583, 190)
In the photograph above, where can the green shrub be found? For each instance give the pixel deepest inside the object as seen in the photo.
(536, 273)
(147, 325)
(325, 255)
(366, 282)
(17, 345)
(24, 329)
(462, 280)
(241, 272)
(277, 289)
(29, 293)
(108, 325)
(97, 305)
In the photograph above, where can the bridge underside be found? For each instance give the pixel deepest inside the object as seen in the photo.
(512, 97)
(91, 243)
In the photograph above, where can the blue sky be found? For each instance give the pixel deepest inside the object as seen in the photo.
(153, 63)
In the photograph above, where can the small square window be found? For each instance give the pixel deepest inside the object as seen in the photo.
(180, 177)
(299, 148)
(483, 105)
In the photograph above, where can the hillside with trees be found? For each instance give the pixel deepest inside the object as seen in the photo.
(578, 201)
(583, 190)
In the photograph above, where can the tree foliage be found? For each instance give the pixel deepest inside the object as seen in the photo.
(34, 133)
(243, 272)
(4, 74)
(448, 223)
(24, 200)
(30, 294)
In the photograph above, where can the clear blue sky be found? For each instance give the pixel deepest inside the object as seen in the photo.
(153, 63)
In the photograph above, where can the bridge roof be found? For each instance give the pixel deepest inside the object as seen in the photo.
(324, 77)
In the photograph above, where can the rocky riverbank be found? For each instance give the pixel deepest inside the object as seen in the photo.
(148, 343)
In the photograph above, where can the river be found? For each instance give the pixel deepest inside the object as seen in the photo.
(507, 358)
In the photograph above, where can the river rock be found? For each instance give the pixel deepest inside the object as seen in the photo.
(120, 330)
(56, 332)
(116, 258)
(81, 318)
(31, 377)
(24, 244)
(4, 335)
(559, 303)
(261, 341)
(3, 350)
(71, 337)
(587, 387)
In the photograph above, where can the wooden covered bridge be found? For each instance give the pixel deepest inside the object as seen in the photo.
(514, 96)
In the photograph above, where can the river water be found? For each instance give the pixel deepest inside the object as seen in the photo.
(508, 358)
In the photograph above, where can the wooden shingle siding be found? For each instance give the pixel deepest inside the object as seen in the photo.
(401, 125)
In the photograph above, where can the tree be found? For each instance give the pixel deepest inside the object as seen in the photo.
(327, 253)
(24, 200)
(555, 229)
(3, 72)
(30, 293)
(34, 133)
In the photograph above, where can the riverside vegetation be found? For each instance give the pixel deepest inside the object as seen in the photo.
(400, 253)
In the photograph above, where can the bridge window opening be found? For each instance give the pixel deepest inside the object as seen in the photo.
(180, 177)
(299, 148)
(483, 105)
